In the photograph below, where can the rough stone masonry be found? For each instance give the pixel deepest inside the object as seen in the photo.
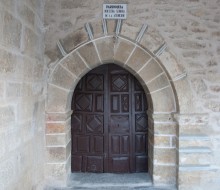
(185, 143)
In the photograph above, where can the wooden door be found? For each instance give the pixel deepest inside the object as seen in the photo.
(109, 123)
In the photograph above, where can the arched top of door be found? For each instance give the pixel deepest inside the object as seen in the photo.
(141, 51)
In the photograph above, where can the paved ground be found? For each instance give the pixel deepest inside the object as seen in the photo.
(86, 181)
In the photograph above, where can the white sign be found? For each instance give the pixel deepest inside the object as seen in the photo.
(114, 11)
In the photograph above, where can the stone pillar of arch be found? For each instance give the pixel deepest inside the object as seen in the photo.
(143, 53)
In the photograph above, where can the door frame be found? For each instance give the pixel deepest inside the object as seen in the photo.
(149, 67)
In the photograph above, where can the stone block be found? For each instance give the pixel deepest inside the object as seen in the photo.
(164, 175)
(130, 30)
(62, 78)
(123, 49)
(105, 48)
(26, 14)
(192, 129)
(75, 65)
(7, 174)
(165, 128)
(165, 156)
(52, 55)
(195, 157)
(74, 39)
(97, 29)
(59, 117)
(8, 64)
(89, 54)
(1, 22)
(162, 141)
(171, 64)
(56, 100)
(150, 71)
(8, 4)
(138, 59)
(187, 141)
(57, 154)
(152, 40)
(164, 100)
(191, 177)
(158, 83)
(2, 89)
(7, 115)
(188, 44)
(56, 139)
(38, 71)
(111, 26)
(30, 42)
(57, 171)
(11, 31)
(13, 89)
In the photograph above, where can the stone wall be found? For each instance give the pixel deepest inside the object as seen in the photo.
(22, 94)
(190, 29)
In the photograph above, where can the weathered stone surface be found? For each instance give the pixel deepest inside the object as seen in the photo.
(97, 28)
(56, 170)
(56, 139)
(150, 71)
(75, 65)
(195, 158)
(11, 31)
(75, 39)
(58, 154)
(190, 45)
(111, 26)
(130, 31)
(199, 86)
(105, 48)
(186, 102)
(164, 174)
(158, 83)
(53, 128)
(213, 105)
(26, 14)
(167, 101)
(188, 141)
(138, 59)
(62, 78)
(152, 40)
(123, 49)
(30, 42)
(7, 115)
(162, 141)
(56, 101)
(164, 156)
(171, 64)
(165, 128)
(89, 54)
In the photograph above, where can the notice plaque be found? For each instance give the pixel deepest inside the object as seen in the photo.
(114, 11)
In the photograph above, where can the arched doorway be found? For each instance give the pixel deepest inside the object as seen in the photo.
(109, 122)
(160, 78)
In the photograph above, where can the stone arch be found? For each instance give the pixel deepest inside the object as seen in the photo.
(109, 42)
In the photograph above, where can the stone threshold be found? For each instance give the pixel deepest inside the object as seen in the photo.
(109, 181)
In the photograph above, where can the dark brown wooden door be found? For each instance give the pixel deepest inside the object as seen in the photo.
(109, 122)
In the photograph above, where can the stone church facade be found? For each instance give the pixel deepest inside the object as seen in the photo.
(171, 47)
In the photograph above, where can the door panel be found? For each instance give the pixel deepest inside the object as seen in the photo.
(109, 122)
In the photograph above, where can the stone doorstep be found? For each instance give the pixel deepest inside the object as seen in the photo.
(140, 181)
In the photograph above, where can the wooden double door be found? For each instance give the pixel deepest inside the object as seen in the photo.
(109, 123)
